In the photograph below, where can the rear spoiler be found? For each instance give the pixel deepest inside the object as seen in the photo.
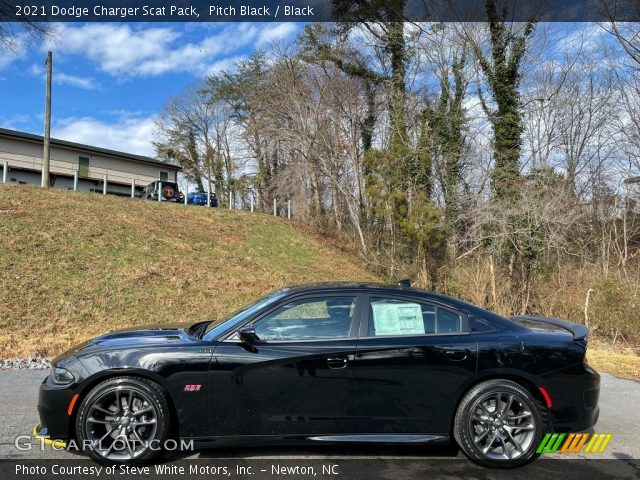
(578, 330)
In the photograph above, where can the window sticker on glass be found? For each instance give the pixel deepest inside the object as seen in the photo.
(397, 319)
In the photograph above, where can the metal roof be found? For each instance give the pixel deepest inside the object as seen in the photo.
(5, 132)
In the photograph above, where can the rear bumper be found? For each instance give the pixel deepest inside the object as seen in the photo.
(53, 402)
(575, 398)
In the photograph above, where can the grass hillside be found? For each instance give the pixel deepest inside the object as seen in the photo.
(75, 265)
(78, 264)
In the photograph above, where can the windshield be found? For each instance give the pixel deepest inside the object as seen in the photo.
(213, 330)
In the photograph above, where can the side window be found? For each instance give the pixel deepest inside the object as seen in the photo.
(448, 321)
(391, 317)
(308, 319)
(164, 176)
(83, 167)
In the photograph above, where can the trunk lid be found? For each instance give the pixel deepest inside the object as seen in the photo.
(553, 325)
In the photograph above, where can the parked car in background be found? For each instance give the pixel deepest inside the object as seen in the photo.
(170, 191)
(200, 198)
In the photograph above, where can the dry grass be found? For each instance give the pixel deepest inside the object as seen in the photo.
(614, 345)
(621, 362)
(78, 264)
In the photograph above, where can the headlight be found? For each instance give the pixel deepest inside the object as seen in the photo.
(61, 376)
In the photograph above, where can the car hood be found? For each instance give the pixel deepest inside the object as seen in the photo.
(145, 334)
(142, 336)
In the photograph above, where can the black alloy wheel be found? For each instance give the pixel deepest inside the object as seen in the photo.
(124, 420)
(499, 424)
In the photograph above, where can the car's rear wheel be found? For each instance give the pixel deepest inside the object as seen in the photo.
(499, 424)
(124, 420)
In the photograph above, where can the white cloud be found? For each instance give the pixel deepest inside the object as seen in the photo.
(86, 83)
(14, 50)
(61, 78)
(7, 57)
(15, 121)
(131, 135)
(125, 51)
(224, 64)
(276, 31)
(116, 48)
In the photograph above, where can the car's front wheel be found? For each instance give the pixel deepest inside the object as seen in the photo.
(124, 420)
(499, 424)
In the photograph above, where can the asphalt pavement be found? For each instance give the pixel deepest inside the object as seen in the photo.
(619, 415)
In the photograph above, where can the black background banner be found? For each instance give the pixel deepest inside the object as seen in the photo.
(312, 10)
(322, 469)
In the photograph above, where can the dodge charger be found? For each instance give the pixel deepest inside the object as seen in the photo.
(327, 363)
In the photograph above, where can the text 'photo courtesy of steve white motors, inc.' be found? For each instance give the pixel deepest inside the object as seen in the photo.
(218, 469)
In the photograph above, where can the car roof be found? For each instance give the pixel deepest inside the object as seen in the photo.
(367, 286)
(385, 288)
(345, 285)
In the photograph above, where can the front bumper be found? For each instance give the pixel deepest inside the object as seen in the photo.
(53, 406)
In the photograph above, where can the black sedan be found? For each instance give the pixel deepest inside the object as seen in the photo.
(328, 363)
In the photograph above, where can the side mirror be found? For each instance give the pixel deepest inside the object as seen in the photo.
(248, 335)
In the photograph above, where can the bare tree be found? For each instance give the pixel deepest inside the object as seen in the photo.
(14, 35)
(193, 131)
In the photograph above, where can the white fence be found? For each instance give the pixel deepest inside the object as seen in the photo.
(105, 182)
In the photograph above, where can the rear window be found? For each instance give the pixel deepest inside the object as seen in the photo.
(480, 325)
(538, 326)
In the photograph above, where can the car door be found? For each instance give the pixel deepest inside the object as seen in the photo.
(297, 378)
(414, 360)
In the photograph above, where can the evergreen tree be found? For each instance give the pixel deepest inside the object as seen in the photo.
(501, 68)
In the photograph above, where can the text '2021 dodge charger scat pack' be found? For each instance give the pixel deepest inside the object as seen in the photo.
(328, 363)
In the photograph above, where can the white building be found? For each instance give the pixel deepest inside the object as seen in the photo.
(23, 154)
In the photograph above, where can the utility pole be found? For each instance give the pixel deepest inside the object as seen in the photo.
(47, 124)
(208, 157)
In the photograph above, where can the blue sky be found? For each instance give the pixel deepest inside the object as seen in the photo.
(111, 80)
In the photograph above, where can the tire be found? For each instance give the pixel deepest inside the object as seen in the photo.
(130, 435)
(499, 424)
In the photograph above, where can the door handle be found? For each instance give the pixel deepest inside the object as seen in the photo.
(337, 362)
(456, 354)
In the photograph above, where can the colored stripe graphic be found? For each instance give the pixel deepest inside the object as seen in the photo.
(574, 442)
(568, 443)
(598, 443)
(551, 443)
(580, 444)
